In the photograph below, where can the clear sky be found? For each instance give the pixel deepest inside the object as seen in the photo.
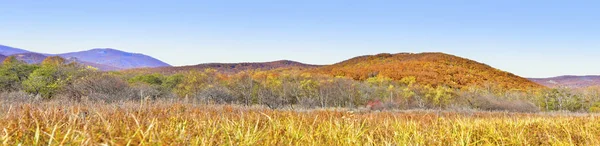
(531, 38)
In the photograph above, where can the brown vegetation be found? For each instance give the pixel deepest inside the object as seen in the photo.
(428, 69)
(177, 123)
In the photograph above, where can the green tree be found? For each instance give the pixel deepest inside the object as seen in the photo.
(439, 97)
(243, 86)
(170, 82)
(595, 108)
(52, 76)
(44, 81)
(152, 79)
(194, 81)
(13, 72)
(309, 88)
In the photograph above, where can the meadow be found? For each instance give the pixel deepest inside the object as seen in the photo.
(181, 123)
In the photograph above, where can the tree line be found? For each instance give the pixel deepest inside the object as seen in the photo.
(57, 78)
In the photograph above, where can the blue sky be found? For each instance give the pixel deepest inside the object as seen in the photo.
(529, 38)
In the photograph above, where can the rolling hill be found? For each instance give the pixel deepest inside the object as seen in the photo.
(569, 81)
(429, 69)
(227, 67)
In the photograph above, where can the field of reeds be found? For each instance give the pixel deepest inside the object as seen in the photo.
(175, 123)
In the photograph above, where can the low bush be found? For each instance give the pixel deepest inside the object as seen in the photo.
(491, 103)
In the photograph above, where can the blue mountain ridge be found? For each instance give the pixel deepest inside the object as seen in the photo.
(103, 59)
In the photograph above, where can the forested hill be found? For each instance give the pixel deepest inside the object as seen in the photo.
(435, 69)
(429, 69)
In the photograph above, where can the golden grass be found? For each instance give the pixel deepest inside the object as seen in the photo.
(185, 124)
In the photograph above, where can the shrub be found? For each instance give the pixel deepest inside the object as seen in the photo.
(595, 108)
(100, 87)
(216, 94)
(375, 105)
(16, 97)
(491, 103)
(13, 73)
(53, 76)
(308, 103)
(152, 79)
(45, 82)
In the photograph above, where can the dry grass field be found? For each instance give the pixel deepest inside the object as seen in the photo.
(168, 123)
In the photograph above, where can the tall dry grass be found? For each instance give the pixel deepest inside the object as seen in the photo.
(168, 123)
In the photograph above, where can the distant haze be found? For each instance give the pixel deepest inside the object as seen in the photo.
(528, 38)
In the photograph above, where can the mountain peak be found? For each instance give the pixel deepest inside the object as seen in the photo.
(106, 49)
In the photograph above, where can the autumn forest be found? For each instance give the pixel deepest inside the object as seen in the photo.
(377, 82)
(432, 98)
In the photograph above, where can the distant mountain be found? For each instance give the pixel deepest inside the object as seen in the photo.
(228, 67)
(569, 81)
(31, 58)
(37, 58)
(103, 59)
(7, 51)
(436, 69)
(101, 67)
(116, 58)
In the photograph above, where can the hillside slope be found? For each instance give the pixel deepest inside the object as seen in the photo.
(429, 69)
(569, 81)
(227, 67)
